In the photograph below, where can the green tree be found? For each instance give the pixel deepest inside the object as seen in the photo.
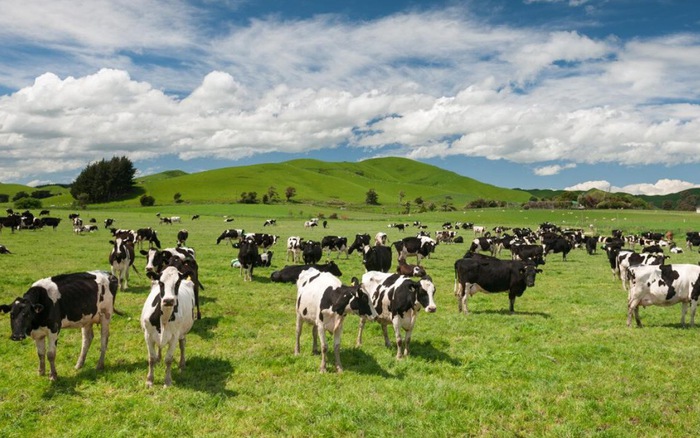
(177, 197)
(667, 205)
(272, 195)
(105, 181)
(19, 195)
(147, 201)
(27, 203)
(289, 193)
(371, 197)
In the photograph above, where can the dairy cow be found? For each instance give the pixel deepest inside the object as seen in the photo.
(290, 273)
(76, 300)
(121, 258)
(377, 258)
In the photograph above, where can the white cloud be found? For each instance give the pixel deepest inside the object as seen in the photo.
(552, 169)
(588, 185)
(661, 187)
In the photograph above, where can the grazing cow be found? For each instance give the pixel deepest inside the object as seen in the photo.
(147, 235)
(44, 213)
(490, 275)
(400, 227)
(230, 235)
(263, 240)
(534, 253)
(377, 258)
(591, 244)
(290, 273)
(4, 250)
(485, 244)
(248, 258)
(413, 246)
(410, 270)
(323, 302)
(182, 236)
(478, 230)
(311, 252)
(664, 285)
(397, 300)
(174, 219)
(50, 222)
(165, 220)
(335, 243)
(196, 216)
(294, 244)
(121, 258)
(558, 245)
(13, 221)
(313, 222)
(108, 222)
(76, 300)
(361, 240)
(166, 318)
(270, 222)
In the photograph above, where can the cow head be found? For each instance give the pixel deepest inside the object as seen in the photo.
(357, 300)
(333, 268)
(22, 314)
(168, 284)
(426, 294)
(529, 271)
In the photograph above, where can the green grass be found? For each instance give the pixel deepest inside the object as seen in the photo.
(564, 364)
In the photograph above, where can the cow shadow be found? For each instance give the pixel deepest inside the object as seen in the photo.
(356, 360)
(205, 374)
(66, 385)
(204, 328)
(427, 351)
(507, 312)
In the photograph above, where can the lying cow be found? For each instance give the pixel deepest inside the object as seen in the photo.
(490, 275)
(323, 302)
(397, 300)
(166, 318)
(664, 285)
(76, 300)
(290, 273)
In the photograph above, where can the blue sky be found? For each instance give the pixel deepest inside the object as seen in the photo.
(516, 93)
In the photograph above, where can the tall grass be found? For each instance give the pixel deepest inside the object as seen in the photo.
(564, 364)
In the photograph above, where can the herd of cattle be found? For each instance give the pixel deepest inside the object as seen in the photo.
(79, 300)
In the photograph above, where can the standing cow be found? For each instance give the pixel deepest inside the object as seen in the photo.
(76, 300)
(167, 316)
(121, 258)
(323, 302)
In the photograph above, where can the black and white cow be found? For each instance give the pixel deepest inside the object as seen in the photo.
(182, 237)
(413, 246)
(290, 273)
(361, 240)
(664, 285)
(108, 222)
(485, 244)
(294, 248)
(121, 258)
(248, 257)
(270, 222)
(76, 300)
(147, 235)
(311, 252)
(230, 235)
(400, 227)
(377, 258)
(628, 259)
(50, 222)
(166, 318)
(490, 275)
(182, 258)
(4, 250)
(335, 243)
(558, 245)
(323, 301)
(397, 300)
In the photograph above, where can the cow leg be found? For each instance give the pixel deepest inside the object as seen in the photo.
(168, 361)
(385, 332)
(153, 358)
(337, 332)
(88, 335)
(633, 309)
(126, 275)
(324, 346)
(182, 343)
(41, 352)
(693, 309)
(511, 297)
(684, 310)
(396, 322)
(358, 343)
(314, 335)
(51, 355)
(297, 345)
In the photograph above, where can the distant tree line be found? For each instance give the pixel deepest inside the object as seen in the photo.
(104, 181)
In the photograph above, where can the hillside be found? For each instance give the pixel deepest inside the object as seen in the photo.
(324, 182)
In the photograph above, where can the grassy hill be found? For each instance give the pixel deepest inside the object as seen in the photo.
(317, 181)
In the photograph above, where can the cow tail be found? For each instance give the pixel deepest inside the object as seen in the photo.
(113, 287)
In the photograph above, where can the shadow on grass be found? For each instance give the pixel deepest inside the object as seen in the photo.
(65, 385)
(427, 351)
(356, 360)
(205, 374)
(507, 312)
(204, 327)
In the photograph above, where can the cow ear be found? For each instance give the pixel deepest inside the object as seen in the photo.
(5, 308)
(152, 275)
(112, 242)
(354, 281)
(143, 252)
(37, 308)
(539, 271)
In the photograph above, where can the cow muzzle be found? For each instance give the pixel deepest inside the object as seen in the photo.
(168, 302)
(431, 309)
(18, 337)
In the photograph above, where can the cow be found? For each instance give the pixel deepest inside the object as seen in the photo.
(397, 300)
(400, 227)
(121, 258)
(377, 258)
(524, 252)
(558, 245)
(410, 270)
(76, 300)
(108, 222)
(380, 239)
(4, 250)
(627, 259)
(248, 258)
(361, 240)
(147, 235)
(195, 216)
(263, 240)
(294, 244)
(50, 222)
(484, 244)
(44, 213)
(182, 237)
(335, 243)
(311, 252)
(413, 246)
(270, 222)
(290, 273)
(323, 301)
(264, 259)
(229, 235)
(478, 230)
(313, 222)
(166, 318)
(664, 285)
(591, 243)
(491, 275)
(182, 258)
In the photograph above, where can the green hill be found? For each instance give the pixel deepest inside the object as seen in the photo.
(325, 182)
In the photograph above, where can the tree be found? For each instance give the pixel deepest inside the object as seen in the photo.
(372, 198)
(105, 181)
(147, 201)
(272, 195)
(402, 194)
(419, 201)
(177, 197)
(290, 192)
(19, 195)
(41, 194)
(27, 203)
(249, 198)
(667, 205)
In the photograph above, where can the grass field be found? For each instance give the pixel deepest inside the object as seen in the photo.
(565, 364)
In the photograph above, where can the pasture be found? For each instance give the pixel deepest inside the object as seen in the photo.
(565, 364)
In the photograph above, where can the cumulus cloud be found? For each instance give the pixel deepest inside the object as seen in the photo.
(472, 89)
(661, 187)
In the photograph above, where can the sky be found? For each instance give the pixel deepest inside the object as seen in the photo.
(546, 94)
